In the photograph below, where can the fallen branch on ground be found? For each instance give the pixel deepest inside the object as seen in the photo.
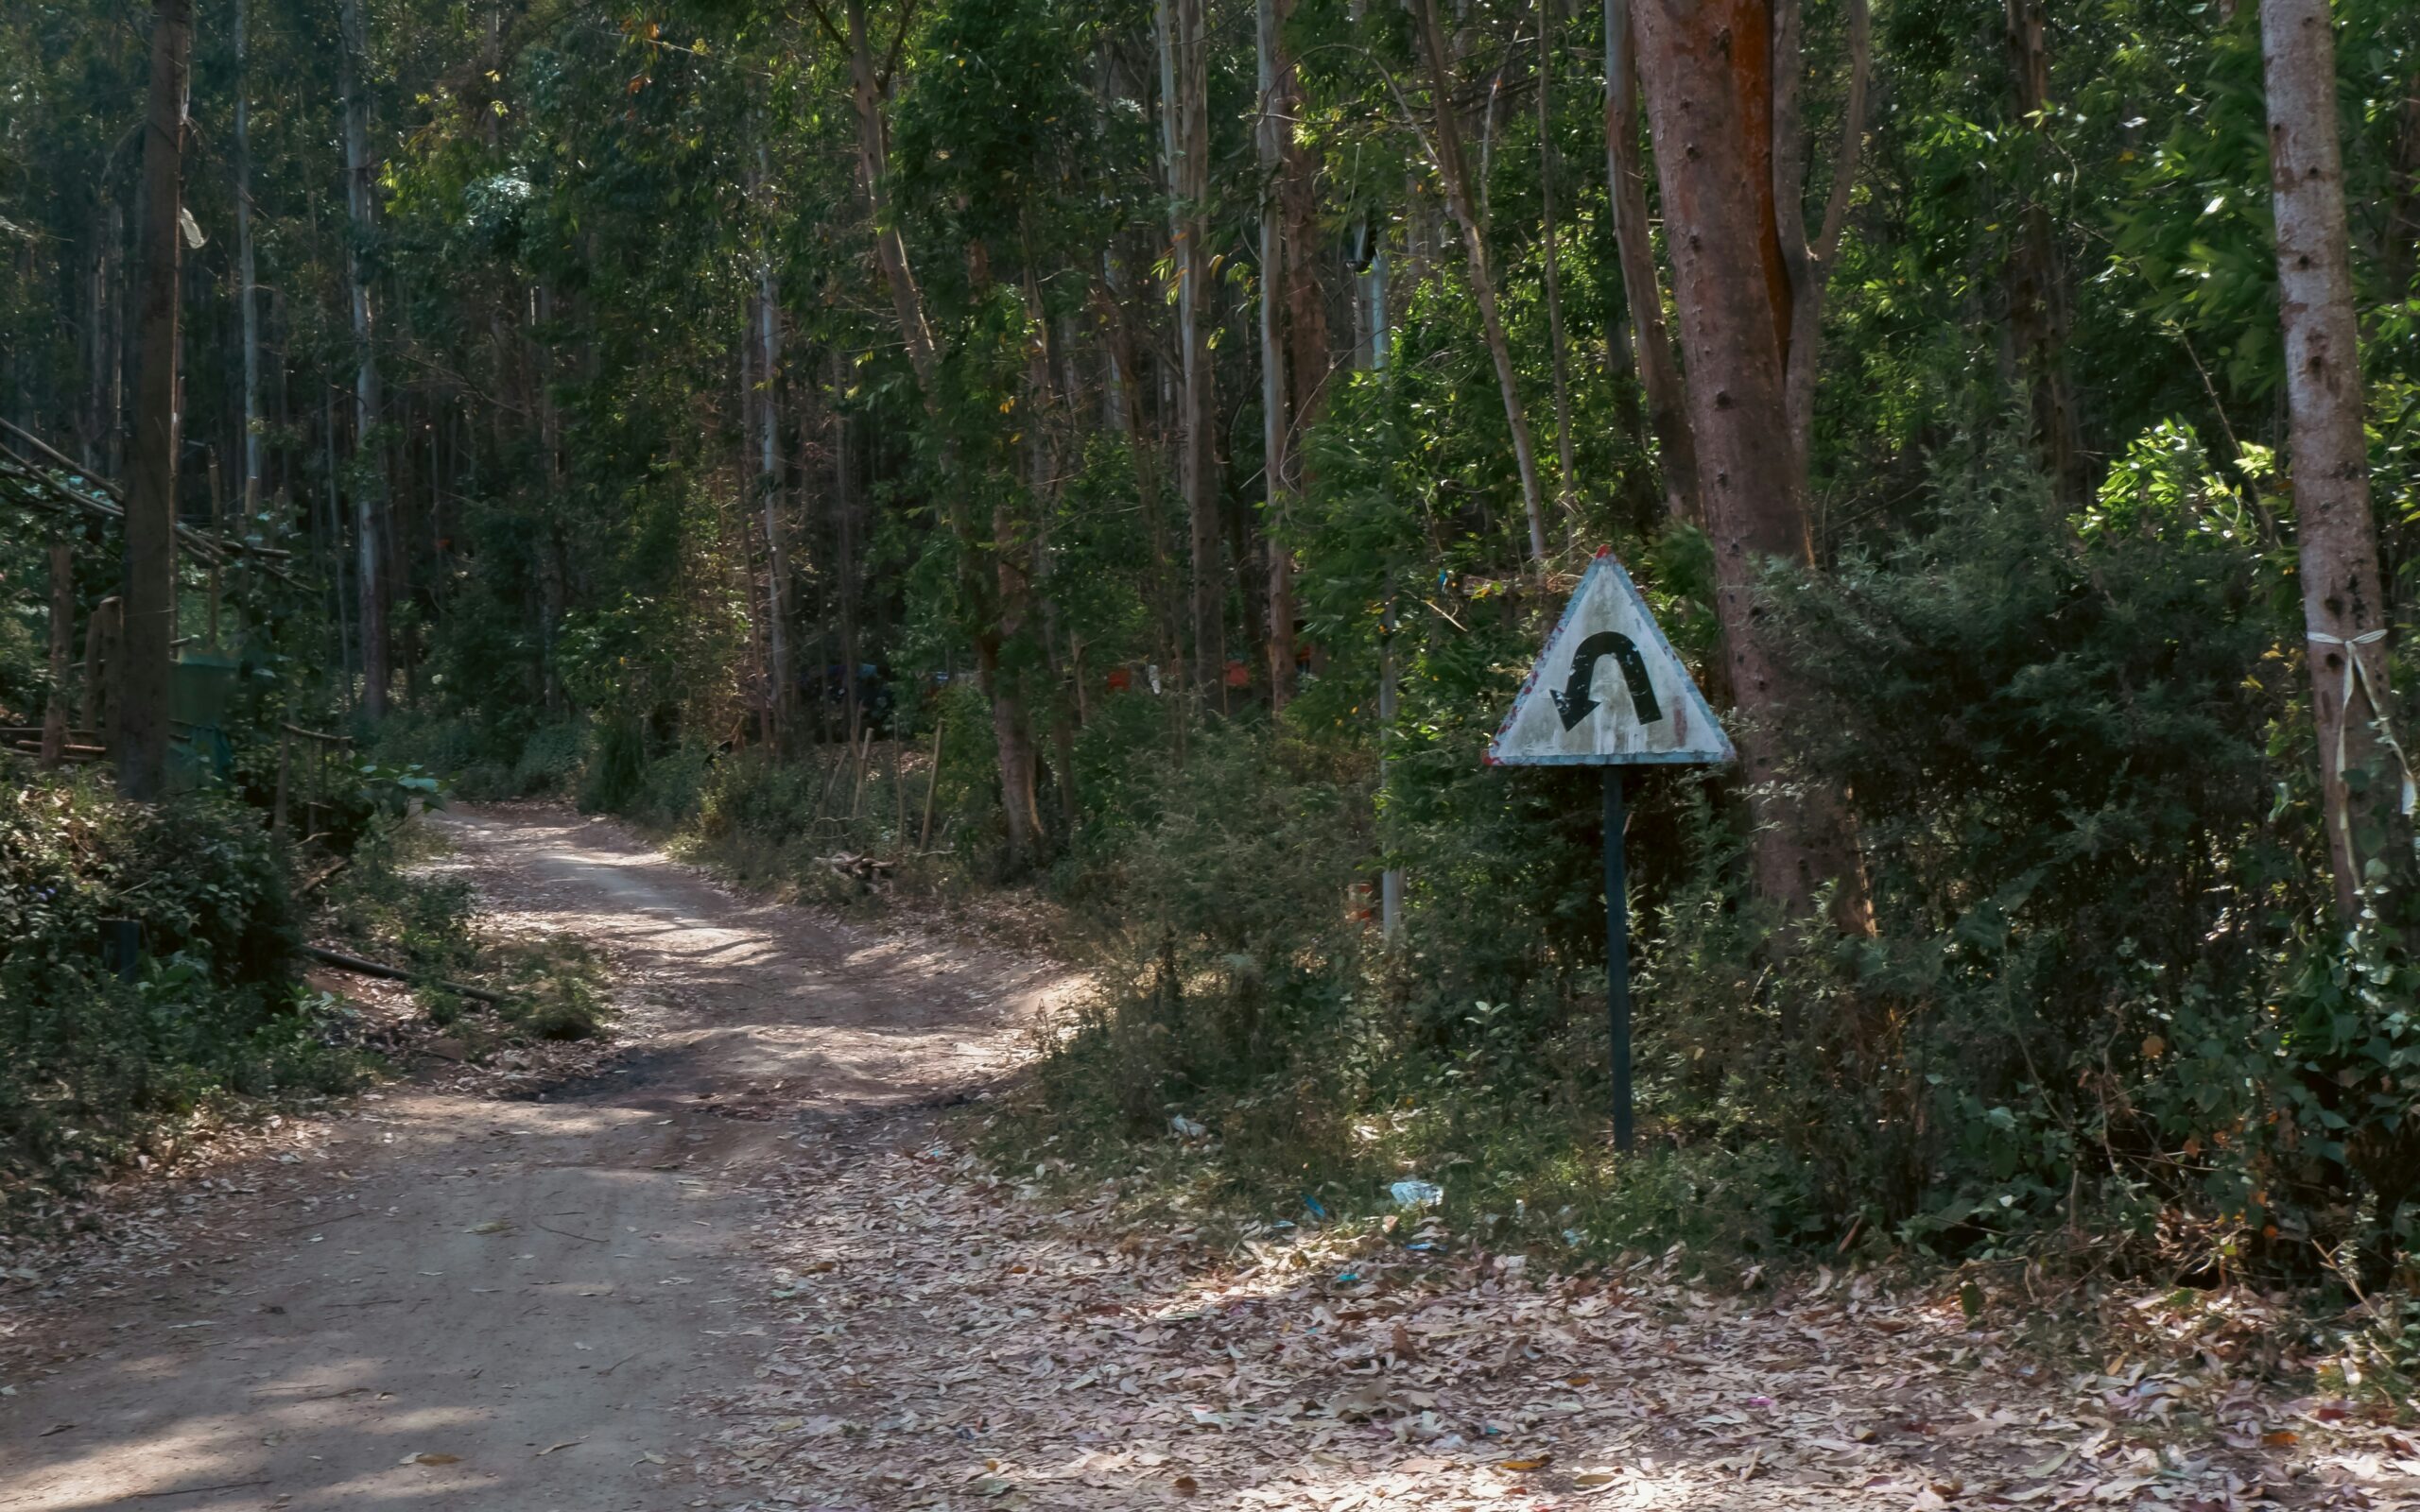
(362, 968)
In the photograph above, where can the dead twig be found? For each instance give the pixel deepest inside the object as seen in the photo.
(393, 973)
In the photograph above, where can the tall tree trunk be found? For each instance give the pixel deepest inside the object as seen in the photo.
(369, 484)
(1708, 71)
(246, 272)
(1052, 409)
(844, 569)
(2037, 295)
(1185, 134)
(2344, 598)
(1659, 372)
(115, 441)
(1567, 477)
(535, 370)
(985, 614)
(98, 353)
(1126, 380)
(1306, 334)
(1276, 417)
(768, 483)
(747, 481)
(1446, 153)
(150, 605)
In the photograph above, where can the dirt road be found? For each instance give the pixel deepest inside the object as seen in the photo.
(743, 1270)
(471, 1303)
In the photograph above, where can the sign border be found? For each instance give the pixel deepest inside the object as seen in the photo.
(1605, 561)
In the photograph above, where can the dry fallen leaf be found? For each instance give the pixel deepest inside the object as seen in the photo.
(431, 1459)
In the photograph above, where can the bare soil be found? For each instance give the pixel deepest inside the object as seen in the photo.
(496, 1301)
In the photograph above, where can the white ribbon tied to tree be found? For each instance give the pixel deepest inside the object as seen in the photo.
(2354, 671)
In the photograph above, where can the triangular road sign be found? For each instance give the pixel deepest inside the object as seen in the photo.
(1607, 691)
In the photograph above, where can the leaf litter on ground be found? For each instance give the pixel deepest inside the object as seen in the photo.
(949, 1339)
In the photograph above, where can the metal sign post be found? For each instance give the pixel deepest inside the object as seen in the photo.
(1617, 950)
(1649, 713)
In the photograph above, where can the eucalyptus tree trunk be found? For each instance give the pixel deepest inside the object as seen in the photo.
(2344, 596)
(1719, 96)
(1011, 740)
(1447, 151)
(143, 728)
(781, 696)
(1566, 478)
(1127, 391)
(1659, 371)
(246, 272)
(844, 570)
(1276, 420)
(1306, 330)
(1807, 261)
(369, 484)
(100, 356)
(1184, 137)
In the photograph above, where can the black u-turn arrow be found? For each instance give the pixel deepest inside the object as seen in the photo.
(1574, 702)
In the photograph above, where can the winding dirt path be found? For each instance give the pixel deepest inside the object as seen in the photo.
(456, 1301)
(741, 1270)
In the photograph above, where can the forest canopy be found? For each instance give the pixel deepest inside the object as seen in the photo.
(1133, 454)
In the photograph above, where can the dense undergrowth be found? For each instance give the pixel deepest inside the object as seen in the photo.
(393, 906)
(2104, 1015)
(101, 1067)
(108, 1064)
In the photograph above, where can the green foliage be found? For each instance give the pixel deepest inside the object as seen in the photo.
(96, 1069)
(2105, 991)
(399, 904)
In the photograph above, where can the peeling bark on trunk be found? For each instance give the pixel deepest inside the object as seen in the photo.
(1708, 76)
(2344, 596)
(141, 699)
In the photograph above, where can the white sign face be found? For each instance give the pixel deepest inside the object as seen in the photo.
(1608, 690)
